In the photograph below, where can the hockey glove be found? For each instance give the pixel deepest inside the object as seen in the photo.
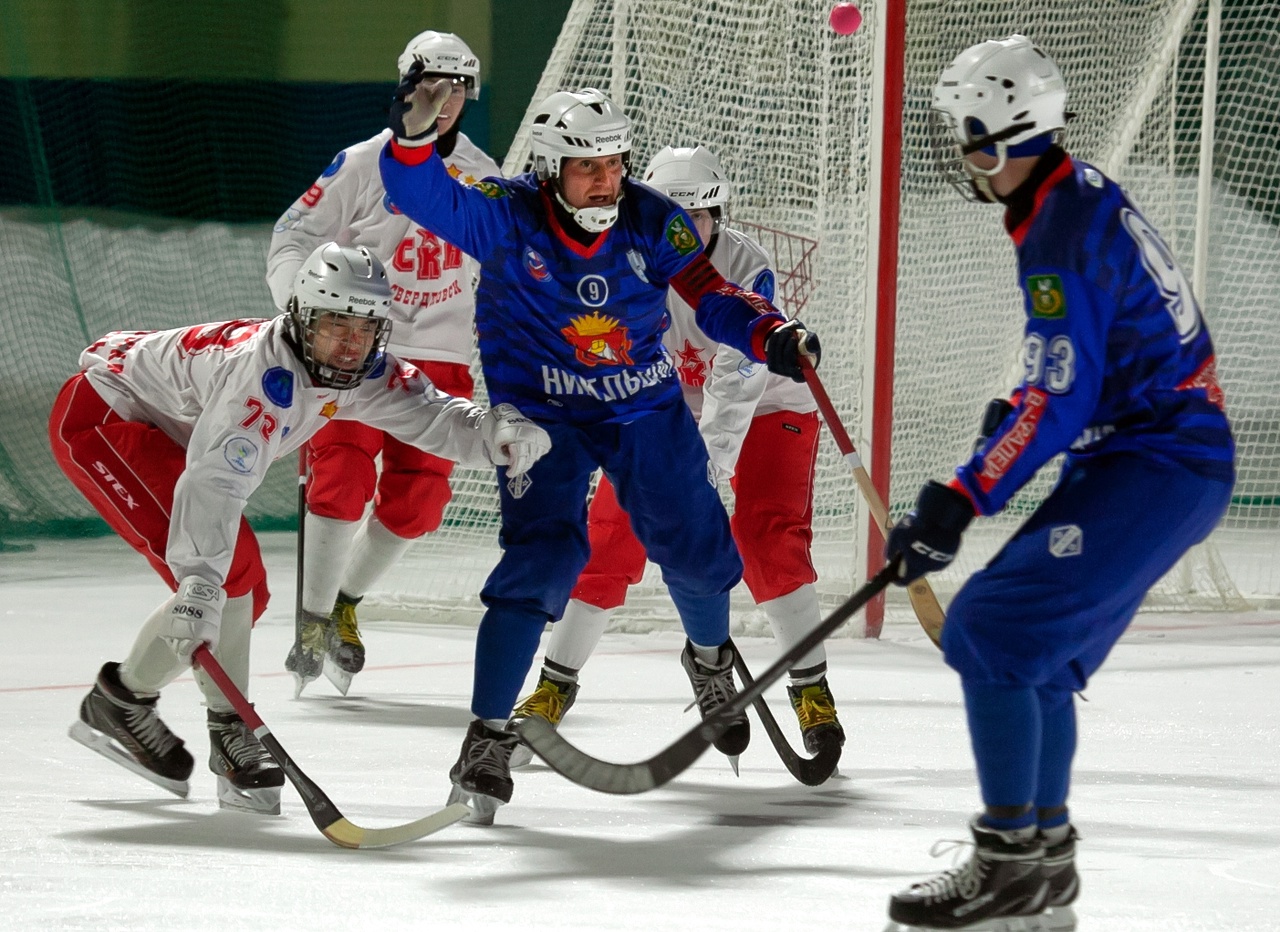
(194, 617)
(997, 410)
(784, 346)
(416, 105)
(929, 536)
(513, 440)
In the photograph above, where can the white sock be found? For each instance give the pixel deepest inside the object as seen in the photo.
(326, 551)
(576, 634)
(794, 615)
(708, 655)
(151, 664)
(232, 653)
(375, 551)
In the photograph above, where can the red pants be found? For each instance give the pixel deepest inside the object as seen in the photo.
(772, 518)
(127, 471)
(413, 489)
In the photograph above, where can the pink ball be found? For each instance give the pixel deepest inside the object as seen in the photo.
(845, 18)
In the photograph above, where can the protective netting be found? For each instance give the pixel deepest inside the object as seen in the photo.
(788, 107)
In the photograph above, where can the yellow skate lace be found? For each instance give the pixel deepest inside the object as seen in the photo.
(546, 702)
(814, 706)
(348, 631)
(315, 636)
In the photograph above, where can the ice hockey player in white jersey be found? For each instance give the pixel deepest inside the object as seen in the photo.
(167, 434)
(433, 309)
(761, 432)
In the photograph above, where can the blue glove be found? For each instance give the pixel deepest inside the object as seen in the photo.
(927, 539)
(784, 345)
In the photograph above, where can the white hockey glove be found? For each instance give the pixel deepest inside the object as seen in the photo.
(416, 105)
(195, 616)
(512, 440)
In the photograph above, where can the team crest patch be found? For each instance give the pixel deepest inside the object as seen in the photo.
(277, 385)
(518, 485)
(1066, 540)
(764, 285)
(490, 190)
(683, 240)
(535, 265)
(388, 206)
(598, 340)
(1047, 298)
(334, 165)
(637, 264)
(241, 454)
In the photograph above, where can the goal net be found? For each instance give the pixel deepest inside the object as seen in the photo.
(796, 115)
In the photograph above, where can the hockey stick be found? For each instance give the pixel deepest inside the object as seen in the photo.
(811, 771)
(923, 601)
(332, 824)
(595, 774)
(300, 680)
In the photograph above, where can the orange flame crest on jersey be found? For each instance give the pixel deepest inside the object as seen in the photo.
(598, 340)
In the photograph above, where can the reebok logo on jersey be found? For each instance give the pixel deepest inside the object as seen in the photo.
(1066, 540)
(683, 240)
(1047, 298)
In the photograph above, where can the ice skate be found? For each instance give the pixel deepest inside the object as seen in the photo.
(1064, 883)
(248, 777)
(482, 776)
(345, 653)
(306, 656)
(815, 709)
(1001, 888)
(125, 728)
(549, 700)
(713, 686)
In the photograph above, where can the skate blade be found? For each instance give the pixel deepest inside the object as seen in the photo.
(733, 762)
(1036, 923)
(300, 683)
(261, 801)
(482, 807)
(339, 677)
(1060, 919)
(113, 751)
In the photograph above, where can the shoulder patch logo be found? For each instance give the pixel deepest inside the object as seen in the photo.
(1047, 298)
(334, 165)
(535, 265)
(277, 384)
(764, 285)
(388, 206)
(683, 240)
(637, 264)
(1093, 177)
(1066, 540)
(490, 190)
(241, 454)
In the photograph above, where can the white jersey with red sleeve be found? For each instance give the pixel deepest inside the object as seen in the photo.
(236, 397)
(723, 388)
(432, 282)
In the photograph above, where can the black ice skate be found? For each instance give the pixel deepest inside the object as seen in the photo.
(815, 709)
(482, 776)
(713, 686)
(248, 777)
(125, 728)
(1064, 883)
(306, 656)
(550, 699)
(345, 651)
(1002, 888)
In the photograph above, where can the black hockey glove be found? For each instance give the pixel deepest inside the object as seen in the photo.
(783, 347)
(997, 410)
(929, 536)
(415, 106)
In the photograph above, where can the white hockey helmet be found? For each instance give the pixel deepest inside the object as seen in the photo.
(341, 281)
(443, 53)
(692, 177)
(1005, 97)
(577, 124)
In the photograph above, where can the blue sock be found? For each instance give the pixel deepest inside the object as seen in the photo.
(1004, 728)
(505, 646)
(1057, 748)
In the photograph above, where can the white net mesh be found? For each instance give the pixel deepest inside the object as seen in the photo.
(787, 105)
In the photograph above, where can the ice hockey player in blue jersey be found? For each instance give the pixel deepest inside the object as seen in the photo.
(1119, 375)
(576, 259)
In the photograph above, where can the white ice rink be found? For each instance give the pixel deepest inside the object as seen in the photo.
(1177, 791)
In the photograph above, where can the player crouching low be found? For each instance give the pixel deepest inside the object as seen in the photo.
(168, 433)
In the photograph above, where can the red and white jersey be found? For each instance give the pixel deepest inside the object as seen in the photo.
(432, 282)
(723, 388)
(236, 397)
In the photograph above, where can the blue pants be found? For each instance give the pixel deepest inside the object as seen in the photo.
(1030, 628)
(658, 466)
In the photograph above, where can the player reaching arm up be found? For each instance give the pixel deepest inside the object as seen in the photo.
(168, 433)
(761, 432)
(571, 310)
(432, 308)
(1119, 375)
